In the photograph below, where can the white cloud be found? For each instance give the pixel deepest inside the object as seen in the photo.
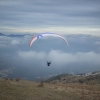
(56, 29)
(15, 42)
(6, 41)
(62, 58)
(79, 57)
(31, 55)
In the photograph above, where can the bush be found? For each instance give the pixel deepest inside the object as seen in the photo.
(17, 79)
(41, 83)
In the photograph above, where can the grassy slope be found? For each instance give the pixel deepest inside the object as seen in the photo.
(28, 90)
(67, 78)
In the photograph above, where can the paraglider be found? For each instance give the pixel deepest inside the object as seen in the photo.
(45, 34)
(48, 63)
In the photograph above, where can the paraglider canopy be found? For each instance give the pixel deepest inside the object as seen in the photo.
(48, 63)
(46, 34)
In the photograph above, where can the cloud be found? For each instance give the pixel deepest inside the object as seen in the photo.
(62, 58)
(4, 41)
(31, 55)
(82, 55)
(8, 41)
(15, 42)
(79, 57)
(17, 16)
(97, 43)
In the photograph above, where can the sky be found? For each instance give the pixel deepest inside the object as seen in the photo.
(81, 56)
(61, 16)
(76, 20)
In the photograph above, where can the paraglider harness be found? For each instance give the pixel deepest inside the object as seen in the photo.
(48, 63)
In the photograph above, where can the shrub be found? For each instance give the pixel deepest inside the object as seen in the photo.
(17, 79)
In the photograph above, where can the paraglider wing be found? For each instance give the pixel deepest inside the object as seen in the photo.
(32, 40)
(46, 34)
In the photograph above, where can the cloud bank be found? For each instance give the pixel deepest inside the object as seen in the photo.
(62, 58)
(82, 55)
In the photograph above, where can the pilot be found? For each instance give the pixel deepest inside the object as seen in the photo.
(48, 63)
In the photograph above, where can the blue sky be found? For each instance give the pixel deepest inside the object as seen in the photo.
(63, 17)
(77, 20)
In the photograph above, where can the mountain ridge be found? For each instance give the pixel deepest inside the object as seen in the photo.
(88, 78)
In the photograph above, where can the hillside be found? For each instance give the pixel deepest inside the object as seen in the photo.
(88, 78)
(28, 90)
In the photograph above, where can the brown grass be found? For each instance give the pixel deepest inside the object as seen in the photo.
(28, 90)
